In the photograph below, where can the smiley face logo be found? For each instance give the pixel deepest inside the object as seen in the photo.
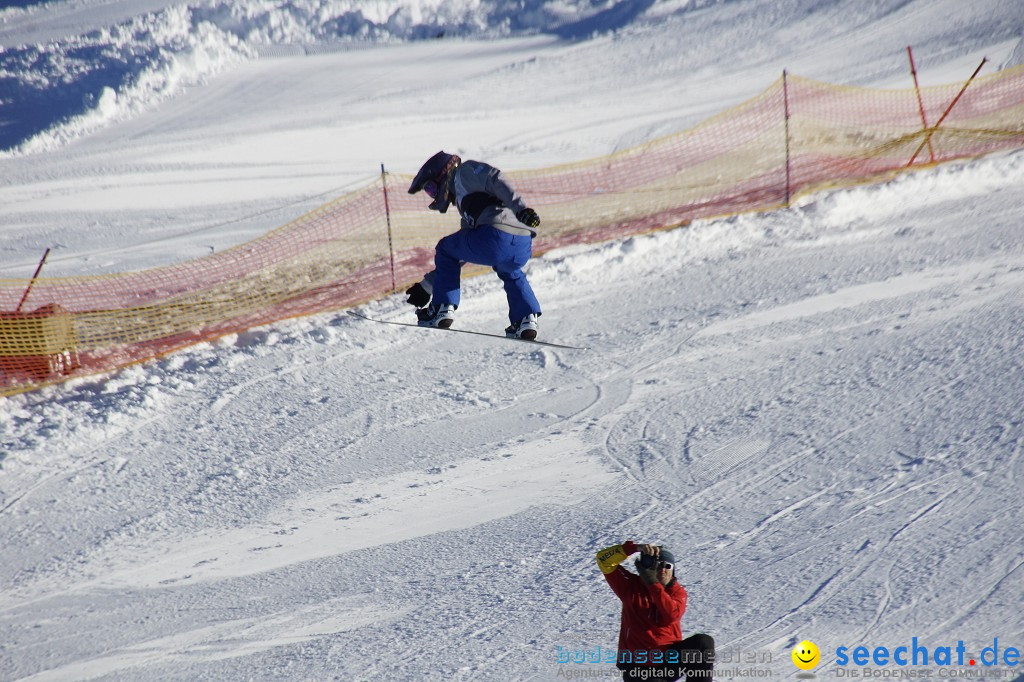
(806, 655)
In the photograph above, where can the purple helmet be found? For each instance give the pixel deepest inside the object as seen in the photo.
(434, 177)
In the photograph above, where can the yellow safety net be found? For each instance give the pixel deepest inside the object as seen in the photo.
(797, 136)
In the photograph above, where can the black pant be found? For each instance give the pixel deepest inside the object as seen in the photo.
(696, 661)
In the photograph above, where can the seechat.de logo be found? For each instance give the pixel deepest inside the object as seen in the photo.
(917, 653)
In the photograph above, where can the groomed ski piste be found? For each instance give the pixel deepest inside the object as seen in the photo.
(817, 409)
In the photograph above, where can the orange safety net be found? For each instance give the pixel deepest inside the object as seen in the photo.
(797, 136)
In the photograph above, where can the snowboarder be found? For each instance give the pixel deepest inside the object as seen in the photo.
(497, 230)
(653, 603)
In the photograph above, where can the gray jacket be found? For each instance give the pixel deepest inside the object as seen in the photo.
(483, 197)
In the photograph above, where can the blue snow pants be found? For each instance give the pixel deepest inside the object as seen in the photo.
(485, 245)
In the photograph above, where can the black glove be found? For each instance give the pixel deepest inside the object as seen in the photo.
(528, 217)
(418, 296)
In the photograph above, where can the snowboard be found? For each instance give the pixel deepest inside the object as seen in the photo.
(467, 331)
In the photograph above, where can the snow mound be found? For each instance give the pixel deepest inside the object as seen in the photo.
(59, 91)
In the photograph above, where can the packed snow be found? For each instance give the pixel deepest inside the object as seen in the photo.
(816, 409)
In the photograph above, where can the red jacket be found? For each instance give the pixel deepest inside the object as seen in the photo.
(650, 613)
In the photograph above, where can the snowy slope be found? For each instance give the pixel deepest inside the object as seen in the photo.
(818, 409)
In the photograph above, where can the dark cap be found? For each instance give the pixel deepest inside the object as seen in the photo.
(434, 167)
(439, 169)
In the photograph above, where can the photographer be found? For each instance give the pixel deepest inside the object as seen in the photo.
(650, 639)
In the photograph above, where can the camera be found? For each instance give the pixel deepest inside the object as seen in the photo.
(648, 561)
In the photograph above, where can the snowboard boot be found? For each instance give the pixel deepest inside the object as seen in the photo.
(440, 316)
(525, 328)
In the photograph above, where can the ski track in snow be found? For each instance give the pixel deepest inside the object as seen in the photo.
(817, 409)
(641, 394)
